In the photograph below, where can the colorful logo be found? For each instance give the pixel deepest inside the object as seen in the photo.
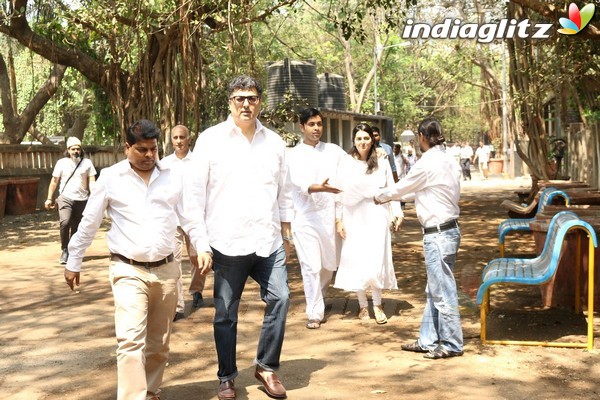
(577, 19)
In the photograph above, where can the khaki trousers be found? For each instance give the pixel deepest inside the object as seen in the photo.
(145, 300)
(198, 280)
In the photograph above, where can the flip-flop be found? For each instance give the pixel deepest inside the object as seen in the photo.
(313, 324)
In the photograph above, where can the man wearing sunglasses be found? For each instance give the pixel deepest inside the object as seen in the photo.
(248, 212)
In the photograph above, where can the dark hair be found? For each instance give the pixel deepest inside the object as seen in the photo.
(244, 82)
(376, 129)
(307, 114)
(372, 163)
(141, 130)
(432, 130)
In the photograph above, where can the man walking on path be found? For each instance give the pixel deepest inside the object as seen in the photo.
(242, 176)
(466, 154)
(77, 176)
(144, 200)
(482, 155)
(311, 164)
(182, 159)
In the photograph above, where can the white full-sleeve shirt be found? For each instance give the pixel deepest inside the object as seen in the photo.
(242, 188)
(184, 166)
(434, 181)
(144, 217)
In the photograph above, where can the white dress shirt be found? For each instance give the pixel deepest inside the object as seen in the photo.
(241, 187)
(144, 217)
(466, 152)
(184, 166)
(435, 182)
(172, 161)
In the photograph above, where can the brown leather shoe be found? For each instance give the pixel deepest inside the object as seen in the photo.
(226, 390)
(271, 382)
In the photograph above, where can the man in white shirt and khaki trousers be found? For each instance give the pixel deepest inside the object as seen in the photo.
(144, 201)
(182, 158)
(241, 176)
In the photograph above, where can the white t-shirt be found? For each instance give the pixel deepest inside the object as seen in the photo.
(77, 187)
(483, 154)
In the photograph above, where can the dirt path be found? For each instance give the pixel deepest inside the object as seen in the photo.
(55, 344)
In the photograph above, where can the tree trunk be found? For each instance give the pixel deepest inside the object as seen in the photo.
(529, 104)
(15, 125)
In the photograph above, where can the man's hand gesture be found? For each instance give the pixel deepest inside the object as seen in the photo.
(323, 187)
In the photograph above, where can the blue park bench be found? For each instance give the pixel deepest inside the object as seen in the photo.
(539, 270)
(507, 226)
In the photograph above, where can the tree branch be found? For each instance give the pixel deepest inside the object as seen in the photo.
(44, 93)
(592, 31)
(17, 27)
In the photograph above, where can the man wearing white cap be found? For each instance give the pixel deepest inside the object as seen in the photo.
(76, 175)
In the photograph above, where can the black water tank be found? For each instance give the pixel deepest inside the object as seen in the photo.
(297, 77)
(332, 92)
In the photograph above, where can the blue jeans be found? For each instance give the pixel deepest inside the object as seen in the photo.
(441, 318)
(231, 273)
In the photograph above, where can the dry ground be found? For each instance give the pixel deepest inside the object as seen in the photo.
(58, 344)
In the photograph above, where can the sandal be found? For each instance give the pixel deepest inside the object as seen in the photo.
(363, 314)
(313, 324)
(440, 352)
(380, 316)
(414, 347)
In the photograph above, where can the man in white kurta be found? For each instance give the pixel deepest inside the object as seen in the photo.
(311, 164)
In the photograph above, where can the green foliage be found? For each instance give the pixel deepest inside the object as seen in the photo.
(285, 113)
(351, 15)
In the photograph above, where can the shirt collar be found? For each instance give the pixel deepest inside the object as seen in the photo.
(188, 156)
(233, 128)
(123, 167)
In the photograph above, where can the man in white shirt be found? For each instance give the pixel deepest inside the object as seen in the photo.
(411, 160)
(144, 202)
(387, 150)
(76, 175)
(182, 159)
(311, 164)
(466, 155)
(242, 176)
(434, 182)
(482, 154)
(400, 161)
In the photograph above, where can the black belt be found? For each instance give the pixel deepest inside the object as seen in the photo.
(151, 264)
(441, 227)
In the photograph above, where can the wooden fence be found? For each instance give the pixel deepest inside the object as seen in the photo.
(39, 160)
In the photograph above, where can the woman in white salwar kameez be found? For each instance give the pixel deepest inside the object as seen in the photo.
(366, 256)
